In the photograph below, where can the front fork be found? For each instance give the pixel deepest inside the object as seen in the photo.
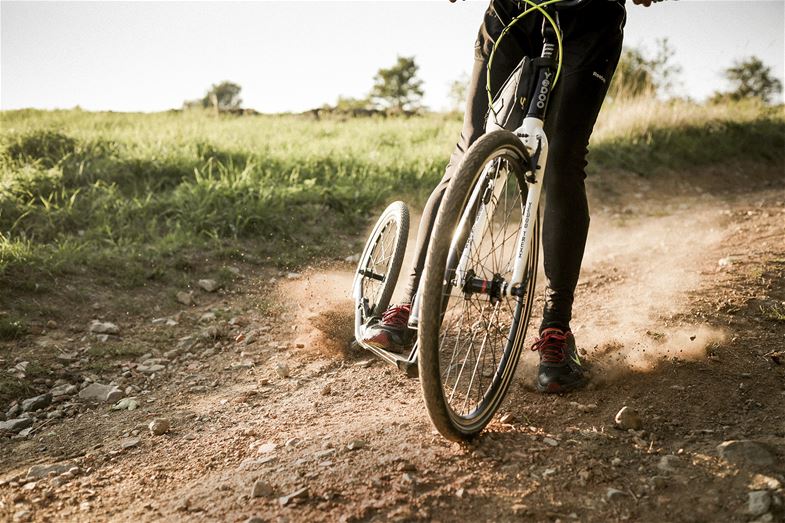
(534, 139)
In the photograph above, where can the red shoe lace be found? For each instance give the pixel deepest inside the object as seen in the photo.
(552, 345)
(397, 316)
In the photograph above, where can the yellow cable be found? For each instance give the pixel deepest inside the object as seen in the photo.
(535, 7)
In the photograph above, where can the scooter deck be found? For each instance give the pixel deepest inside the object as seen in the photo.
(406, 363)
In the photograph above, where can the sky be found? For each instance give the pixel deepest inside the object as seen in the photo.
(295, 56)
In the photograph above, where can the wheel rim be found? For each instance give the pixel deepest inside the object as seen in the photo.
(477, 353)
(376, 265)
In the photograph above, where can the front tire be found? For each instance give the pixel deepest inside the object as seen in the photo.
(470, 342)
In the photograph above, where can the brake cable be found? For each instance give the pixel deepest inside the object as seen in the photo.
(535, 7)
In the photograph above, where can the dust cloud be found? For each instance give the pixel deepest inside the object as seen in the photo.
(639, 275)
(323, 310)
(631, 311)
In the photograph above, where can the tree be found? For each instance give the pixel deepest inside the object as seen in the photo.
(638, 75)
(750, 78)
(398, 87)
(224, 96)
(457, 93)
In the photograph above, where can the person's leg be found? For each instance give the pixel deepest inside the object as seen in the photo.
(511, 50)
(593, 54)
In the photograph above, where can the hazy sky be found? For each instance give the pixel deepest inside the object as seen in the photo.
(149, 56)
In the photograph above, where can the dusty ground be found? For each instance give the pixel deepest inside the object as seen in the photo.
(680, 309)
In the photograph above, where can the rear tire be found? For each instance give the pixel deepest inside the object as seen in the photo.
(469, 344)
(380, 263)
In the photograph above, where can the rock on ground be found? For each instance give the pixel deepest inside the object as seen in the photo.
(628, 418)
(261, 489)
(186, 298)
(298, 494)
(208, 285)
(745, 452)
(159, 426)
(42, 471)
(36, 403)
(63, 390)
(104, 327)
(758, 502)
(101, 393)
(15, 425)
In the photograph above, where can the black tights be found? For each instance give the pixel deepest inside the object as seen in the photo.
(592, 44)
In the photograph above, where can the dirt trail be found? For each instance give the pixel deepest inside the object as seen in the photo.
(677, 310)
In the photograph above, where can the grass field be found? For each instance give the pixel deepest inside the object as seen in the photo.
(133, 197)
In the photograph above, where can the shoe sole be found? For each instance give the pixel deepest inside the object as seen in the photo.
(555, 388)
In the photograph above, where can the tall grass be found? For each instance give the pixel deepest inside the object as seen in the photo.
(130, 195)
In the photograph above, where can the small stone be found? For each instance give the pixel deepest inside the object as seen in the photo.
(745, 452)
(758, 502)
(13, 412)
(627, 419)
(356, 444)
(326, 390)
(126, 404)
(36, 403)
(324, 453)
(507, 419)
(208, 285)
(261, 489)
(550, 441)
(42, 471)
(150, 369)
(669, 463)
(282, 369)
(104, 327)
(364, 363)
(292, 275)
(15, 425)
(128, 443)
(186, 298)
(591, 407)
(353, 258)
(114, 395)
(266, 448)
(519, 509)
(63, 390)
(100, 393)
(298, 494)
(658, 482)
(159, 426)
(615, 494)
(615, 462)
(55, 414)
(727, 261)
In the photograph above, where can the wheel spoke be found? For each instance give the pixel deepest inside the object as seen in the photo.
(476, 332)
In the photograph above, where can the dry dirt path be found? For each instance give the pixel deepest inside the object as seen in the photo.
(677, 311)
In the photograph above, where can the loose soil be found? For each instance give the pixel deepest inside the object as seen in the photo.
(680, 311)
